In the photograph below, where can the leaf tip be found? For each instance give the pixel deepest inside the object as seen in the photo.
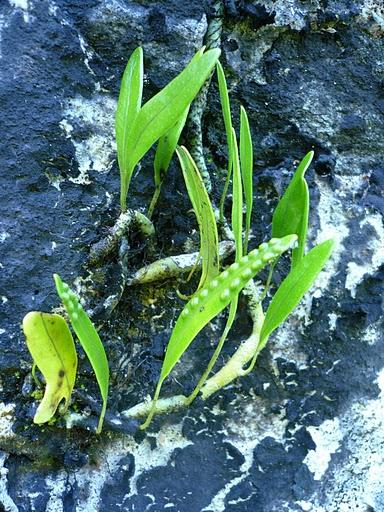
(331, 242)
(309, 156)
(216, 52)
(28, 318)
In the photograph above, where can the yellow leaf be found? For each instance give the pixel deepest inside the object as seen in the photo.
(51, 345)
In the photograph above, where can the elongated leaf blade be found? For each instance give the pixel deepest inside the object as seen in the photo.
(237, 227)
(168, 142)
(89, 339)
(226, 111)
(216, 295)
(246, 160)
(128, 106)
(225, 105)
(51, 345)
(166, 147)
(209, 238)
(162, 111)
(291, 213)
(294, 287)
(237, 199)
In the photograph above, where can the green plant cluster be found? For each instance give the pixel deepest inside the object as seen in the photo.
(162, 120)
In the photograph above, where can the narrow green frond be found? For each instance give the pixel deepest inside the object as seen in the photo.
(226, 111)
(128, 106)
(209, 239)
(291, 213)
(164, 152)
(294, 287)
(88, 338)
(246, 160)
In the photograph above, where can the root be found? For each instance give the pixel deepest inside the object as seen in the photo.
(173, 266)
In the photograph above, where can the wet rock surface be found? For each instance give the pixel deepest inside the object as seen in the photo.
(304, 431)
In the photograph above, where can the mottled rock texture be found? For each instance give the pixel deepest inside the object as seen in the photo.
(304, 431)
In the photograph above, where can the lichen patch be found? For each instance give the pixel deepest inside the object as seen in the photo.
(24, 5)
(357, 271)
(327, 438)
(95, 152)
(5, 500)
(245, 435)
(357, 482)
(6, 420)
(91, 479)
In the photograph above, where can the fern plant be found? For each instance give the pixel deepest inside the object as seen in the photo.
(162, 117)
(289, 231)
(161, 120)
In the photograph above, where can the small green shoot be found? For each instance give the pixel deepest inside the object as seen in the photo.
(246, 160)
(237, 198)
(89, 339)
(291, 213)
(161, 113)
(209, 238)
(51, 345)
(211, 300)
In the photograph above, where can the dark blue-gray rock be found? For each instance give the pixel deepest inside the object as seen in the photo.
(305, 430)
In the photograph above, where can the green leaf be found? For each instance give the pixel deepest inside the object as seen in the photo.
(226, 111)
(128, 106)
(294, 287)
(162, 111)
(166, 147)
(225, 105)
(212, 299)
(89, 339)
(209, 239)
(237, 226)
(168, 142)
(51, 345)
(237, 199)
(246, 159)
(291, 214)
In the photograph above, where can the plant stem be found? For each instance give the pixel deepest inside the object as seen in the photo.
(152, 410)
(103, 248)
(154, 200)
(101, 417)
(234, 367)
(195, 136)
(269, 279)
(174, 266)
(163, 405)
